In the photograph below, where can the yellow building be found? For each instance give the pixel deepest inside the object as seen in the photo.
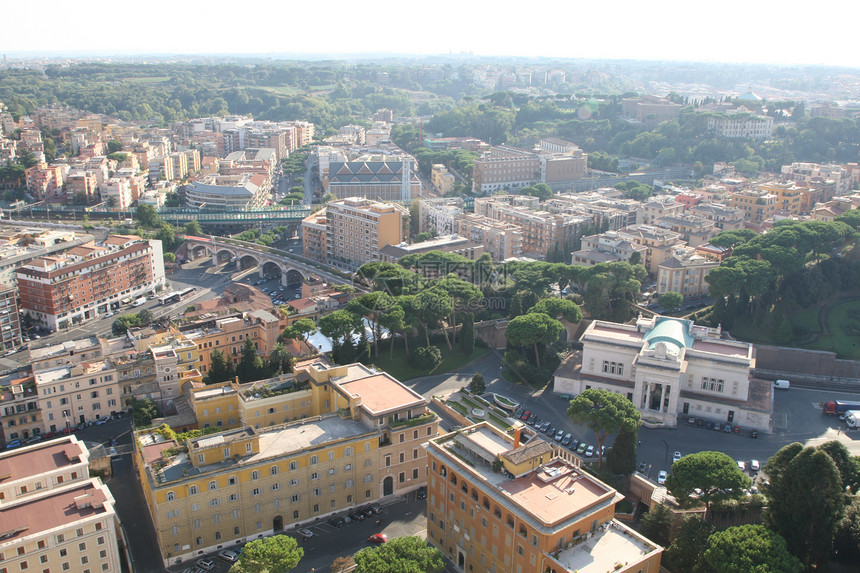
(758, 205)
(325, 440)
(55, 517)
(357, 228)
(494, 504)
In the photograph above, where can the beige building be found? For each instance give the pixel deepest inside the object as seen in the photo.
(356, 229)
(659, 243)
(741, 125)
(442, 179)
(654, 209)
(606, 247)
(361, 441)
(502, 240)
(504, 168)
(496, 504)
(725, 218)
(314, 236)
(55, 517)
(684, 272)
(79, 392)
(758, 205)
(694, 230)
(650, 109)
(439, 216)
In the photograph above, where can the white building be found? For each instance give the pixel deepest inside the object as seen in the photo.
(741, 125)
(670, 369)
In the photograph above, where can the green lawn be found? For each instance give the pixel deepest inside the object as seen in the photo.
(843, 321)
(400, 368)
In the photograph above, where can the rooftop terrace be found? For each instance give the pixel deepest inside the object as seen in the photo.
(610, 545)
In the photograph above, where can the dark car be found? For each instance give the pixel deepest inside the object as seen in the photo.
(753, 434)
(356, 516)
(367, 511)
(709, 425)
(566, 440)
(336, 521)
(574, 444)
(422, 493)
(728, 428)
(700, 422)
(533, 420)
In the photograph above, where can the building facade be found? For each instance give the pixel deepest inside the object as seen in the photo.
(89, 280)
(10, 321)
(357, 228)
(670, 369)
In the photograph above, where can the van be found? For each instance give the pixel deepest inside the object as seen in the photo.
(782, 384)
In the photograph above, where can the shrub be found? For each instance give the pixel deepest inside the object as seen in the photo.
(426, 357)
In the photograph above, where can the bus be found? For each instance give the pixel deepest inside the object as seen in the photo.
(187, 292)
(169, 298)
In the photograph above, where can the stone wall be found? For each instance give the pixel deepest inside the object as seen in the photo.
(803, 367)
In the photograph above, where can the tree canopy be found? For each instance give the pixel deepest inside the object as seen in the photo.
(276, 554)
(605, 413)
(400, 555)
(749, 549)
(710, 476)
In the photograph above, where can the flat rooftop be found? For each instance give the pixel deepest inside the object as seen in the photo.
(295, 438)
(381, 393)
(613, 543)
(617, 333)
(554, 492)
(50, 511)
(35, 460)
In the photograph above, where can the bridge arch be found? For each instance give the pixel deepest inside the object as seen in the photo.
(247, 261)
(272, 269)
(197, 251)
(223, 255)
(293, 276)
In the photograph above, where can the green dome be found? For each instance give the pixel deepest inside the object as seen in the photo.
(671, 331)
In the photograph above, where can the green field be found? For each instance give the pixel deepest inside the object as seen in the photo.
(843, 320)
(400, 368)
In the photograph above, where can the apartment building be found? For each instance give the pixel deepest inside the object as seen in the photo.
(448, 244)
(441, 179)
(438, 216)
(502, 240)
(758, 205)
(836, 177)
(20, 416)
(78, 393)
(650, 109)
(314, 236)
(116, 193)
(684, 272)
(232, 192)
(45, 182)
(724, 218)
(496, 504)
(361, 442)
(655, 208)
(505, 168)
(793, 198)
(89, 280)
(560, 161)
(669, 368)
(375, 177)
(829, 210)
(228, 336)
(10, 321)
(357, 228)
(741, 124)
(80, 183)
(56, 518)
(694, 230)
(658, 242)
(607, 247)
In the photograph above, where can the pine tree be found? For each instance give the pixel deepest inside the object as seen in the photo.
(467, 334)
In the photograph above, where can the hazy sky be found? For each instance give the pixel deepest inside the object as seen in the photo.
(822, 32)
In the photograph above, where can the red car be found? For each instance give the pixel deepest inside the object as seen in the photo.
(377, 538)
(525, 415)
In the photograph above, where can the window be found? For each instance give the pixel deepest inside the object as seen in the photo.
(213, 485)
(315, 475)
(234, 497)
(314, 460)
(192, 490)
(273, 470)
(316, 492)
(332, 471)
(255, 475)
(231, 480)
(215, 501)
(294, 482)
(276, 486)
(196, 523)
(295, 497)
(171, 496)
(255, 491)
(294, 466)
(331, 487)
(347, 467)
(347, 451)
(402, 477)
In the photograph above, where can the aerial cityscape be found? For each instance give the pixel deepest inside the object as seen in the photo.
(401, 310)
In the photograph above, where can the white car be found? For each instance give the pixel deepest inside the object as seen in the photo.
(228, 556)
(676, 456)
(755, 465)
(109, 314)
(661, 477)
(742, 466)
(306, 533)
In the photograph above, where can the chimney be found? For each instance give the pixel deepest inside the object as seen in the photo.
(517, 437)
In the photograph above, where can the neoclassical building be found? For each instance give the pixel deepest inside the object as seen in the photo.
(670, 369)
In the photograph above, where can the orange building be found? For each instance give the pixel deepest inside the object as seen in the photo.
(494, 504)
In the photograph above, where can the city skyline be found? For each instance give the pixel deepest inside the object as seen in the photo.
(734, 32)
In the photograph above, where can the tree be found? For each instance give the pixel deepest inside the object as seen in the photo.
(118, 328)
(685, 553)
(671, 300)
(250, 365)
(395, 321)
(749, 548)
(219, 370)
(193, 228)
(277, 554)
(339, 325)
(467, 334)
(147, 216)
(715, 474)
(143, 411)
(300, 329)
(533, 329)
(621, 457)
(169, 257)
(280, 359)
(477, 385)
(805, 501)
(657, 524)
(401, 555)
(849, 471)
(604, 413)
(559, 308)
(145, 317)
(846, 540)
(430, 307)
(372, 306)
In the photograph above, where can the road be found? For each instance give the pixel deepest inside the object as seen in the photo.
(797, 418)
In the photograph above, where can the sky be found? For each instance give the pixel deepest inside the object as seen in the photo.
(750, 31)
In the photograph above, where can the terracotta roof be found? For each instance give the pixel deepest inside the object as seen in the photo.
(29, 462)
(381, 393)
(528, 451)
(50, 511)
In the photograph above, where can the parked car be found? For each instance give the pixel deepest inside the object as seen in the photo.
(566, 440)
(700, 422)
(13, 444)
(525, 415)
(305, 533)
(742, 465)
(753, 434)
(574, 444)
(336, 521)
(589, 451)
(643, 467)
(728, 428)
(581, 449)
(559, 435)
(377, 538)
(676, 456)
(421, 493)
(356, 516)
(718, 427)
(709, 425)
(205, 564)
(533, 420)
(755, 465)
(661, 477)
(228, 556)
